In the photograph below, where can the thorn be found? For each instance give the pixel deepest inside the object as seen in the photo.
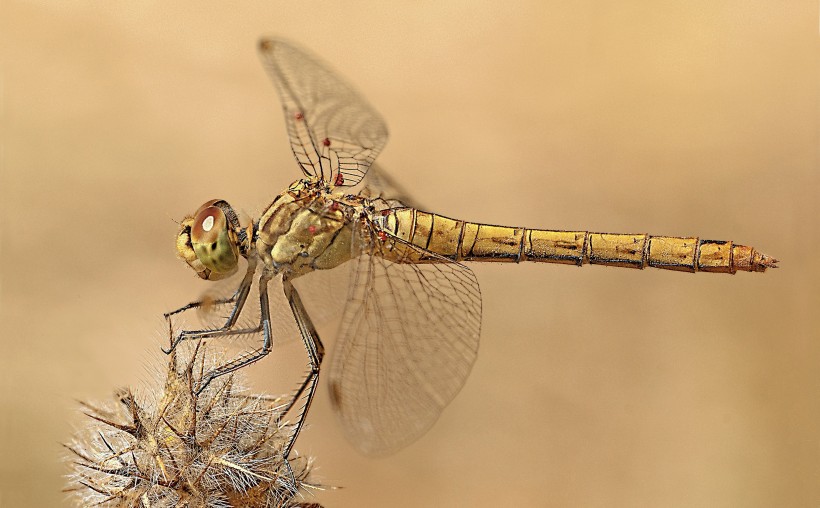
(125, 428)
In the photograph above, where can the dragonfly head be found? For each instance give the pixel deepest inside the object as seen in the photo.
(212, 241)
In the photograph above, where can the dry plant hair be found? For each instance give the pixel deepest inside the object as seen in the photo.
(221, 448)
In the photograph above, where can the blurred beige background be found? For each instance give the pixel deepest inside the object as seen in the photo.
(594, 386)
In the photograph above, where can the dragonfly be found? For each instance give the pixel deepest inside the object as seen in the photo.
(410, 327)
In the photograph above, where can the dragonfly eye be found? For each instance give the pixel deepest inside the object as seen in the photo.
(208, 244)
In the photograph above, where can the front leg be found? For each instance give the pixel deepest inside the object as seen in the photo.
(252, 356)
(240, 296)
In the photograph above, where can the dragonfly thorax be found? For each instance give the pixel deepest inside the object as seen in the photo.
(304, 229)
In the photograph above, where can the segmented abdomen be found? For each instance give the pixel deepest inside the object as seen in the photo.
(469, 241)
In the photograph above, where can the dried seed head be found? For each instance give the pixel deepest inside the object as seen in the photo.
(221, 448)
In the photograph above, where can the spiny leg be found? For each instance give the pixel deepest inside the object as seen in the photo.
(252, 356)
(200, 303)
(315, 350)
(240, 297)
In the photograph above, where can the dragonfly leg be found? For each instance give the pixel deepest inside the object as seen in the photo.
(200, 303)
(240, 297)
(252, 356)
(315, 350)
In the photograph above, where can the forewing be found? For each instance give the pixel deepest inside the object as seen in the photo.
(334, 133)
(408, 340)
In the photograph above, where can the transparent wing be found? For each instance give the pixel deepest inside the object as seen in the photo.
(334, 133)
(379, 185)
(408, 340)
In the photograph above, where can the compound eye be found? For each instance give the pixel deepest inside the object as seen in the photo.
(213, 243)
(209, 222)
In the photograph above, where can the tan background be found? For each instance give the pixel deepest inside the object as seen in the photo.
(594, 387)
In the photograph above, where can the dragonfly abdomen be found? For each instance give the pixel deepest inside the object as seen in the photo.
(470, 241)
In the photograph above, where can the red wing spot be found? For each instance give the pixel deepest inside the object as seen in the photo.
(340, 179)
(312, 229)
(326, 142)
(298, 116)
(382, 236)
(334, 206)
(385, 213)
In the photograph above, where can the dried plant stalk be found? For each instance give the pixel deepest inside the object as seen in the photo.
(221, 448)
